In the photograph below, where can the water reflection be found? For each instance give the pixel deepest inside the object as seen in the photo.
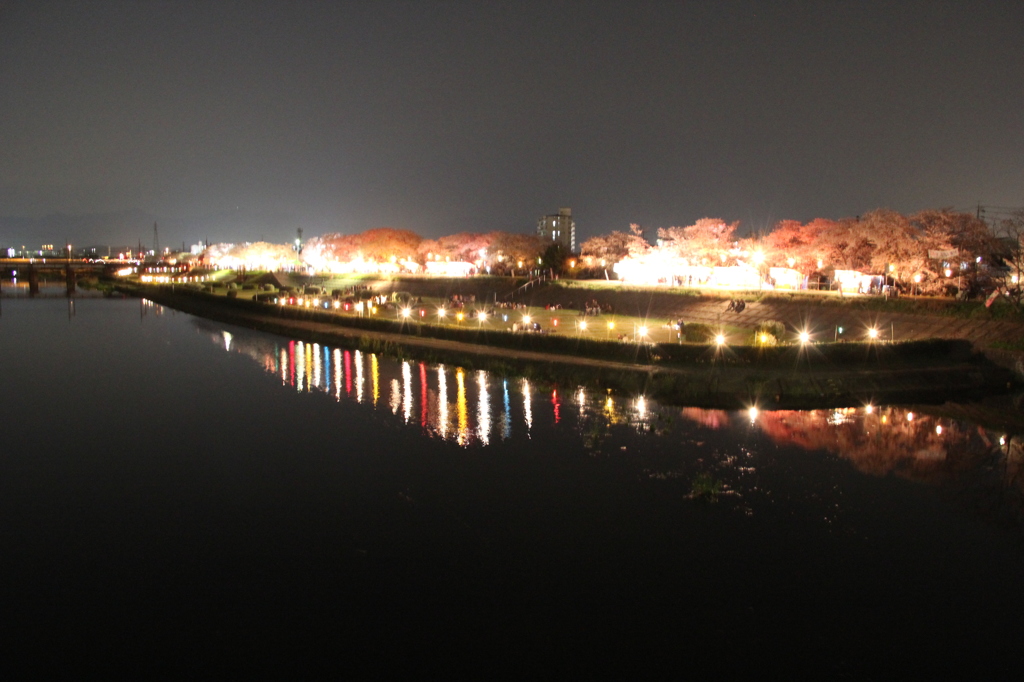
(446, 402)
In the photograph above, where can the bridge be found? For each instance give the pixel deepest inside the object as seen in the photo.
(29, 269)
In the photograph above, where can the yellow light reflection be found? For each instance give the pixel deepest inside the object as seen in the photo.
(309, 367)
(463, 412)
(375, 377)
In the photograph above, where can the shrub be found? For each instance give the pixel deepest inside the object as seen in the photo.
(698, 333)
(771, 328)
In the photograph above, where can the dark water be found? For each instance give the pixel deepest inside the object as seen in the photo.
(181, 498)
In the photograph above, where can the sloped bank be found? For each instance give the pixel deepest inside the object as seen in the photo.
(828, 375)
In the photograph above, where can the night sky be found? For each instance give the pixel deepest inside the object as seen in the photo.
(244, 121)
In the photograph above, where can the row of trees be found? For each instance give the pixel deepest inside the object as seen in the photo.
(502, 251)
(931, 252)
(927, 251)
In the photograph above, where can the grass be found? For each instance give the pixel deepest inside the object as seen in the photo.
(914, 305)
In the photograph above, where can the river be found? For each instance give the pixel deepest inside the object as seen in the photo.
(185, 497)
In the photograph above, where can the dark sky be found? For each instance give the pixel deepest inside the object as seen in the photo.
(241, 121)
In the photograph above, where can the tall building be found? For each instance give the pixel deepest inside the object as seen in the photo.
(559, 227)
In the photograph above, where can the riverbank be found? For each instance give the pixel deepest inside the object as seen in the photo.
(784, 378)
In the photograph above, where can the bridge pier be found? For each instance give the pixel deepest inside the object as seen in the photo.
(70, 279)
(33, 281)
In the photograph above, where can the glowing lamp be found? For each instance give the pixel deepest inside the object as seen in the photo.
(720, 339)
(481, 316)
(873, 333)
(804, 337)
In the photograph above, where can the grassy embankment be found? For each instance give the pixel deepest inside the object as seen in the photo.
(691, 373)
(434, 296)
(914, 305)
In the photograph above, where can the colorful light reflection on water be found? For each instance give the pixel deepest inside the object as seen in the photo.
(477, 408)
